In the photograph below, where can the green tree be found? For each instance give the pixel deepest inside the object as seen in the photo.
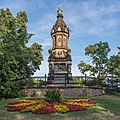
(16, 59)
(114, 65)
(99, 54)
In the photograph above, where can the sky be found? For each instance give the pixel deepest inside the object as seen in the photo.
(90, 21)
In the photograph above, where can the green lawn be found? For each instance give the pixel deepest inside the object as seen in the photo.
(107, 108)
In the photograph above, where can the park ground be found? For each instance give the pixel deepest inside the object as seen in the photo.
(107, 108)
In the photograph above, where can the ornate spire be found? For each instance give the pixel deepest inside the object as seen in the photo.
(59, 11)
(60, 24)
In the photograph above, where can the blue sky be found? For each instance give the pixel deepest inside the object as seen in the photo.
(91, 21)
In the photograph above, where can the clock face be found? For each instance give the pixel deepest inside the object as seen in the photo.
(59, 53)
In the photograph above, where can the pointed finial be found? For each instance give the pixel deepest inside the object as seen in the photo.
(59, 10)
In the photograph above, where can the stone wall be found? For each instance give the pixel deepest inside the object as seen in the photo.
(66, 92)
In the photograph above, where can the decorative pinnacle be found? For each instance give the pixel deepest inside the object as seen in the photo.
(59, 10)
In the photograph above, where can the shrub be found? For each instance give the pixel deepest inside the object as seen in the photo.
(80, 81)
(91, 82)
(53, 96)
(8, 90)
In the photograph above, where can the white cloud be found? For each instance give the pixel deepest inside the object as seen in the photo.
(104, 27)
(84, 17)
(42, 29)
(22, 5)
(89, 17)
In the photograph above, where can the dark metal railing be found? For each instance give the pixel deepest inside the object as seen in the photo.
(42, 81)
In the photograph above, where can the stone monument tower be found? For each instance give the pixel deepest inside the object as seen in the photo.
(60, 55)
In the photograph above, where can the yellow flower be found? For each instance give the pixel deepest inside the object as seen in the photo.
(61, 108)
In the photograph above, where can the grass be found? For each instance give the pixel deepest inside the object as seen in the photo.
(107, 108)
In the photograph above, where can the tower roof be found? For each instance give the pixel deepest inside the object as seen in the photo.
(60, 25)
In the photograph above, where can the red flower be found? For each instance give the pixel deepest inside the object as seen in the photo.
(19, 108)
(45, 110)
(70, 104)
(75, 107)
(14, 103)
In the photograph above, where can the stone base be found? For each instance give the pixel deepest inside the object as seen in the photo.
(59, 77)
(66, 91)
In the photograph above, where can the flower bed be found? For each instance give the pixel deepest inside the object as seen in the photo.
(43, 107)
